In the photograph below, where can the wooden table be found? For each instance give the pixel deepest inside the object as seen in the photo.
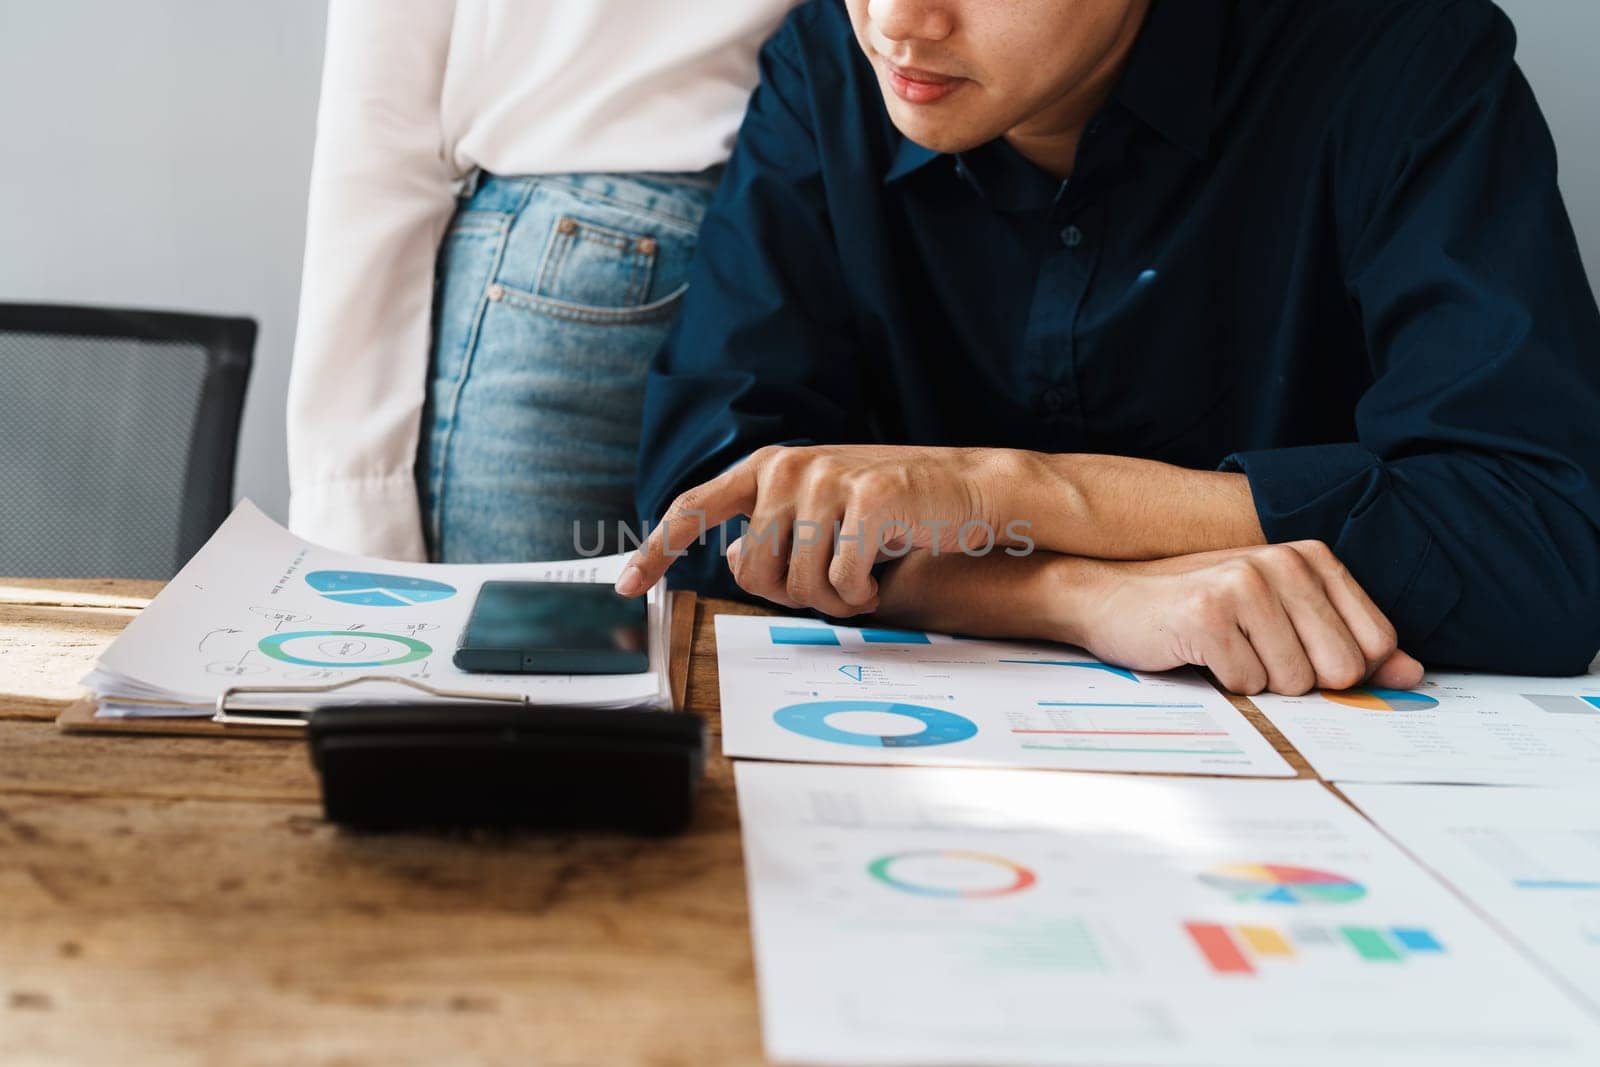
(180, 900)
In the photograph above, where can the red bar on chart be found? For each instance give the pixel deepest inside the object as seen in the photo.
(1219, 948)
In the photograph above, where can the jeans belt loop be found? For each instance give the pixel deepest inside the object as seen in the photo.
(468, 185)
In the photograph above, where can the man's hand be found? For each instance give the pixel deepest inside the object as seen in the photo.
(887, 501)
(879, 501)
(1286, 618)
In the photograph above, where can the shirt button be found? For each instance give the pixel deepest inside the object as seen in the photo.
(1072, 237)
(1055, 400)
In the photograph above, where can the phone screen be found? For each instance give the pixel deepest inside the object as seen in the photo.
(554, 628)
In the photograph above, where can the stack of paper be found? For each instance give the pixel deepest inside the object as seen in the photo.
(257, 606)
(917, 915)
(926, 916)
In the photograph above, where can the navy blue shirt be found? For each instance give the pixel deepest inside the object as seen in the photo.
(1320, 243)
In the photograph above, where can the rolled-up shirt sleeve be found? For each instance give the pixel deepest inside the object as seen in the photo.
(1468, 507)
(763, 351)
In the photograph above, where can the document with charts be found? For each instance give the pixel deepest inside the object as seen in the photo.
(258, 606)
(1462, 728)
(1529, 858)
(917, 915)
(798, 689)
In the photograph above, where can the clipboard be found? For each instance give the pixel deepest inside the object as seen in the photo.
(79, 717)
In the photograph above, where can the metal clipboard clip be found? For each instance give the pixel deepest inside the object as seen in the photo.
(231, 712)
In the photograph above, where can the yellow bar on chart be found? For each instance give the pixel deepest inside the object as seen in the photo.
(1265, 941)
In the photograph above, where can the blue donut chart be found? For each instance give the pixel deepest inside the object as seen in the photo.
(938, 727)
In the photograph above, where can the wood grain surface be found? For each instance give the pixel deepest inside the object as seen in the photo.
(179, 900)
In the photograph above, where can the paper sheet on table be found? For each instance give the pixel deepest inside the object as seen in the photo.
(1456, 728)
(939, 916)
(259, 606)
(797, 689)
(1529, 858)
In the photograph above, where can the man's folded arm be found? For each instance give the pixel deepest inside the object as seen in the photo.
(1468, 508)
(762, 352)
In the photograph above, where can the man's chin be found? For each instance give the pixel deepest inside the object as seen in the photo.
(947, 135)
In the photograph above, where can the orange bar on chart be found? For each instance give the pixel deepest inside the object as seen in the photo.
(1217, 945)
(1265, 941)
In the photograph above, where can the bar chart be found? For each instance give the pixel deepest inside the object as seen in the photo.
(1238, 949)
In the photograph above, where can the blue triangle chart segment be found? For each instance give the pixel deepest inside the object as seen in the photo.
(1281, 895)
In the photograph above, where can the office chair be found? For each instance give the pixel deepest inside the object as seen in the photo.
(117, 437)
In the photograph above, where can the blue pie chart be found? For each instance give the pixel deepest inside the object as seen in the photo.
(938, 727)
(370, 590)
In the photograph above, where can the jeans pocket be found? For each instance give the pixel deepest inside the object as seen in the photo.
(588, 265)
(656, 311)
(584, 256)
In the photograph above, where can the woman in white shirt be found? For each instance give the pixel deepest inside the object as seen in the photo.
(504, 201)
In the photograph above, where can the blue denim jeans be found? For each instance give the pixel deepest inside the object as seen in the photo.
(553, 294)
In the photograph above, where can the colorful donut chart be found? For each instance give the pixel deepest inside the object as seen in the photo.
(956, 862)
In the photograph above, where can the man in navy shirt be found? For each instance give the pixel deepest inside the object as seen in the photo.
(1249, 333)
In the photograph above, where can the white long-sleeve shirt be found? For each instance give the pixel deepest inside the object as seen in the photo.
(416, 94)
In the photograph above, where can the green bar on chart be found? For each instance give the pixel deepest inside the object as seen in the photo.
(1370, 943)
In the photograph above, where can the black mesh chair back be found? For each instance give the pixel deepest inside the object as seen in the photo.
(117, 437)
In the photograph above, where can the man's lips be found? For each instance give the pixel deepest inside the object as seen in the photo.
(921, 86)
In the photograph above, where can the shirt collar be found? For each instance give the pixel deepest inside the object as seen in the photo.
(995, 170)
(1006, 180)
(1170, 83)
(909, 157)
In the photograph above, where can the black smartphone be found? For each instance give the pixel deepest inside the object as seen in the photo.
(554, 628)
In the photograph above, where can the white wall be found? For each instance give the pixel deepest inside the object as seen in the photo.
(154, 153)
(1556, 47)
